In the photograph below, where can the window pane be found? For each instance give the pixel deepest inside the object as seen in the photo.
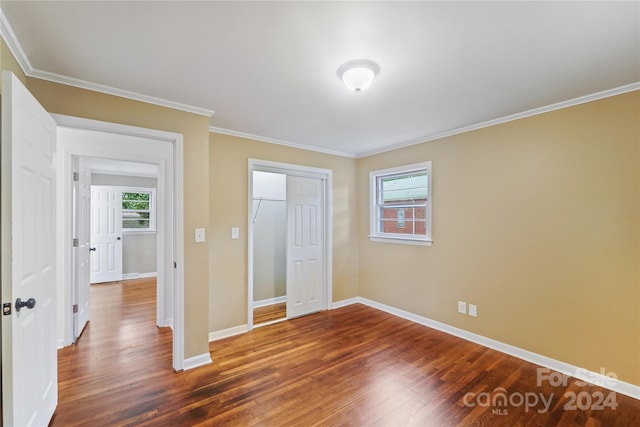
(136, 210)
(134, 214)
(136, 201)
(135, 205)
(391, 221)
(403, 189)
(135, 223)
(401, 206)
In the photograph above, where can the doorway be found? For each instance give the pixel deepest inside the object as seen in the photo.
(37, 176)
(115, 226)
(269, 247)
(123, 219)
(289, 241)
(87, 138)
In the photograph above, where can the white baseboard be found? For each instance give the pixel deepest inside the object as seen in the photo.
(582, 374)
(167, 322)
(131, 276)
(270, 301)
(585, 375)
(60, 344)
(345, 302)
(226, 333)
(194, 362)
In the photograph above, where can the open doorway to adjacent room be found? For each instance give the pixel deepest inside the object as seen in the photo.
(142, 212)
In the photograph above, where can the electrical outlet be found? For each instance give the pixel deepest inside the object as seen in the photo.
(235, 232)
(473, 310)
(462, 307)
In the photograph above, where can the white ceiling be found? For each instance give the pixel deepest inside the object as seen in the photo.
(268, 69)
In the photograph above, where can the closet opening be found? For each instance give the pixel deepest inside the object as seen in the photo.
(269, 247)
(289, 234)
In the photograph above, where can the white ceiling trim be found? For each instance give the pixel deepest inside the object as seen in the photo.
(14, 46)
(70, 81)
(279, 142)
(540, 110)
(12, 42)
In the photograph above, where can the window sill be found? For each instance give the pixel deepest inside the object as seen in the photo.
(401, 240)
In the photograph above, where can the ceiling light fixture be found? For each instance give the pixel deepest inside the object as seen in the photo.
(357, 75)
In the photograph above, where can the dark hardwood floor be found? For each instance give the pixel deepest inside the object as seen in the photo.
(354, 366)
(269, 313)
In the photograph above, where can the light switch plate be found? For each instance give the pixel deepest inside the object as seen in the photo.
(473, 310)
(235, 232)
(200, 238)
(462, 307)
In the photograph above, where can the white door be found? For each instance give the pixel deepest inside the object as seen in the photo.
(81, 258)
(305, 252)
(29, 358)
(106, 234)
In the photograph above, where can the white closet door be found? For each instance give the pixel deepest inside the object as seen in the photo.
(305, 252)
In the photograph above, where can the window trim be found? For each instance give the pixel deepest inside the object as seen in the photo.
(152, 209)
(377, 236)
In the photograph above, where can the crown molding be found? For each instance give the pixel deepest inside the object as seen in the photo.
(12, 42)
(279, 142)
(533, 112)
(82, 84)
(14, 46)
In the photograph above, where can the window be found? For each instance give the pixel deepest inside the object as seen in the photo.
(138, 213)
(401, 204)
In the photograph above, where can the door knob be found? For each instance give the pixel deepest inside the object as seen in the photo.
(118, 238)
(92, 249)
(30, 303)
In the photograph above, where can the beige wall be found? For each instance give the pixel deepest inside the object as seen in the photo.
(537, 222)
(8, 62)
(62, 99)
(229, 186)
(269, 249)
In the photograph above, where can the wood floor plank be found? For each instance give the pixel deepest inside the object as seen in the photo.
(269, 313)
(354, 366)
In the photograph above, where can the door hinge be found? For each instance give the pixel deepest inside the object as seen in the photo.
(76, 176)
(175, 264)
(75, 308)
(76, 243)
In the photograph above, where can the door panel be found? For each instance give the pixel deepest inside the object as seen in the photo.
(82, 260)
(305, 252)
(106, 234)
(29, 358)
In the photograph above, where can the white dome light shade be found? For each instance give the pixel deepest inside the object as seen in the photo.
(358, 75)
(358, 79)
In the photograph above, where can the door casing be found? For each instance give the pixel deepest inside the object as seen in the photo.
(295, 170)
(144, 146)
